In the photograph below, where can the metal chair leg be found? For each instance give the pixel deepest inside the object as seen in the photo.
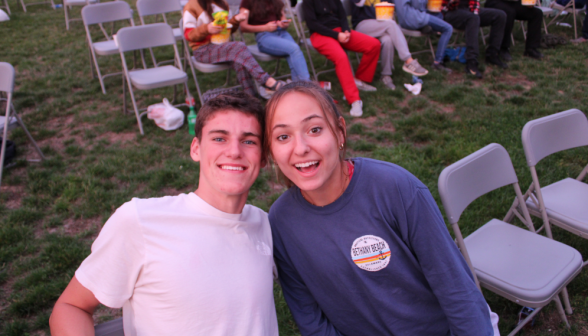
(560, 311)
(5, 134)
(21, 123)
(135, 107)
(566, 300)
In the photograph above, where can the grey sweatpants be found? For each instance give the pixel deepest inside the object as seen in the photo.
(390, 35)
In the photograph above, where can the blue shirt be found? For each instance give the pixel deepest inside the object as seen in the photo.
(377, 261)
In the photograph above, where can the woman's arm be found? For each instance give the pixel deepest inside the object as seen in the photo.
(248, 28)
(72, 313)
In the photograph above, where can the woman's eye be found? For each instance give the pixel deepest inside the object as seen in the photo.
(282, 137)
(315, 130)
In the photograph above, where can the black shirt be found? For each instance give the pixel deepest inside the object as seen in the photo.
(322, 16)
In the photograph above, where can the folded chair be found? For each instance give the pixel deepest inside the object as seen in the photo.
(24, 5)
(7, 86)
(110, 328)
(69, 4)
(98, 14)
(518, 264)
(563, 203)
(570, 7)
(145, 37)
(6, 6)
(204, 67)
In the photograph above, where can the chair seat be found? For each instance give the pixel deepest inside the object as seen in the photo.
(104, 48)
(146, 79)
(261, 56)
(77, 2)
(209, 67)
(556, 6)
(526, 267)
(567, 202)
(310, 45)
(411, 33)
(546, 10)
(13, 123)
(177, 34)
(110, 328)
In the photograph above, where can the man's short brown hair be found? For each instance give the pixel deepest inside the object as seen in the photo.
(232, 101)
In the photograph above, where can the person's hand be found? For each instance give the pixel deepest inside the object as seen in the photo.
(344, 37)
(284, 23)
(242, 16)
(214, 29)
(271, 26)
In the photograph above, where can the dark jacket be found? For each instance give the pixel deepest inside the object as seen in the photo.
(322, 16)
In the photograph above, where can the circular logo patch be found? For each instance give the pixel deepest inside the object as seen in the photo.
(370, 253)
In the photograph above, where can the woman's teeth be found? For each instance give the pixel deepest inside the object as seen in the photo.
(305, 164)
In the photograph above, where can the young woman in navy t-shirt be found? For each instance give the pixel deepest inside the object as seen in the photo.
(360, 244)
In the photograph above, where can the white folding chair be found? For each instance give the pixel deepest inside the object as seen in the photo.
(570, 7)
(69, 4)
(144, 37)
(98, 14)
(204, 67)
(563, 203)
(24, 5)
(110, 328)
(6, 6)
(7, 86)
(515, 263)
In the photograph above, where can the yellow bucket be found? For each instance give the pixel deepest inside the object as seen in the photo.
(384, 11)
(223, 36)
(434, 6)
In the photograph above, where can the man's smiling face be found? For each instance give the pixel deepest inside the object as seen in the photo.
(230, 154)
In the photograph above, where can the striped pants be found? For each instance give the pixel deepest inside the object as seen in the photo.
(242, 62)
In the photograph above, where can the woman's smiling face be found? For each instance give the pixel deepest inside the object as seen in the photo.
(302, 143)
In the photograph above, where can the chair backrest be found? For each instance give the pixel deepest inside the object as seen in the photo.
(554, 133)
(299, 12)
(106, 12)
(6, 77)
(143, 37)
(473, 176)
(154, 7)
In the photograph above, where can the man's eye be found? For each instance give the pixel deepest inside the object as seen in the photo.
(218, 139)
(315, 129)
(282, 137)
(249, 142)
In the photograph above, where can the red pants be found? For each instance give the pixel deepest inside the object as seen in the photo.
(332, 49)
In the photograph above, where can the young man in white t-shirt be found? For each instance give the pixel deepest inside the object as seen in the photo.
(193, 264)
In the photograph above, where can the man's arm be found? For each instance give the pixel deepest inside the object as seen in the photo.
(72, 313)
(313, 23)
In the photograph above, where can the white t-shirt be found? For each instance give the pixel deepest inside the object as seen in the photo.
(179, 266)
(203, 19)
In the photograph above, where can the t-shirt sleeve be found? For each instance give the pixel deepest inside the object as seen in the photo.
(444, 267)
(111, 270)
(245, 4)
(306, 312)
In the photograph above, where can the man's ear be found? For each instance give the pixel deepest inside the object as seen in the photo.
(263, 163)
(195, 150)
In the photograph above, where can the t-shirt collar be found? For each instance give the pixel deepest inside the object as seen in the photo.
(212, 211)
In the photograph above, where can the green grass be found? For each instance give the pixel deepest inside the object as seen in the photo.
(50, 212)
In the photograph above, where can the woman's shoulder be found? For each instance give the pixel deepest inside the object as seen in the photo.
(285, 201)
(386, 173)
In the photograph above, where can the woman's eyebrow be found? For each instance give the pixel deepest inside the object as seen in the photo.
(310, 117)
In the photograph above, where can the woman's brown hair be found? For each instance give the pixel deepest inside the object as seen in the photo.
(207, 6)
(260, 9)
(327, 105)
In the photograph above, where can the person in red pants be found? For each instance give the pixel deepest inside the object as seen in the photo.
(330, 35)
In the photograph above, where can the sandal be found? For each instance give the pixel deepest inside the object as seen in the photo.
(277, 85)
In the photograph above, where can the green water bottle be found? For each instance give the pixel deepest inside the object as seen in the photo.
(191, 120)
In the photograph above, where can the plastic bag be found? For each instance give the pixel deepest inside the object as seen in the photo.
(3, 16)
(165, 115)
(456, 54)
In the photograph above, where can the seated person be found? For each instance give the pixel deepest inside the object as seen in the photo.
(193, 264)
(579, 4)
(198, 28)
(390, 35)
(516, 11)
(413, 15)
(467, 15)
(268, 22)
(329, 29)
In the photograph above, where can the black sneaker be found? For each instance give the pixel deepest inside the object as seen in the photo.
(426, 30)
(472, 69)
(441, 67)
(505, 55)
(533, 53)
(494, 59)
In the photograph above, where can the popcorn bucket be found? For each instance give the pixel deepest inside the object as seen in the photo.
(223, 36)
(434, 6)
(384, 11)
(528, 2)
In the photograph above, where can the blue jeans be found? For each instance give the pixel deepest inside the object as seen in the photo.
(280, 43)
(436, 22)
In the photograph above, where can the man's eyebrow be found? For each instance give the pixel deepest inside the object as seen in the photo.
(247, 134)
(219, 131)
(303, 120)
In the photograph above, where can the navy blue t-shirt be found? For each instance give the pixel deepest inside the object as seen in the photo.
(377, 261)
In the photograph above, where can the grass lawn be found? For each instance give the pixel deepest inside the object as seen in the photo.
(50, 212)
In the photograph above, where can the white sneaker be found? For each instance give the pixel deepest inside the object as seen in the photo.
(356, 108)
(363, 86)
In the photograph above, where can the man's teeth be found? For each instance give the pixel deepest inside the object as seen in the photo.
(231, 168)
(305, 164)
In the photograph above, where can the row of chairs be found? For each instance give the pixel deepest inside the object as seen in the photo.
(521, 265)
